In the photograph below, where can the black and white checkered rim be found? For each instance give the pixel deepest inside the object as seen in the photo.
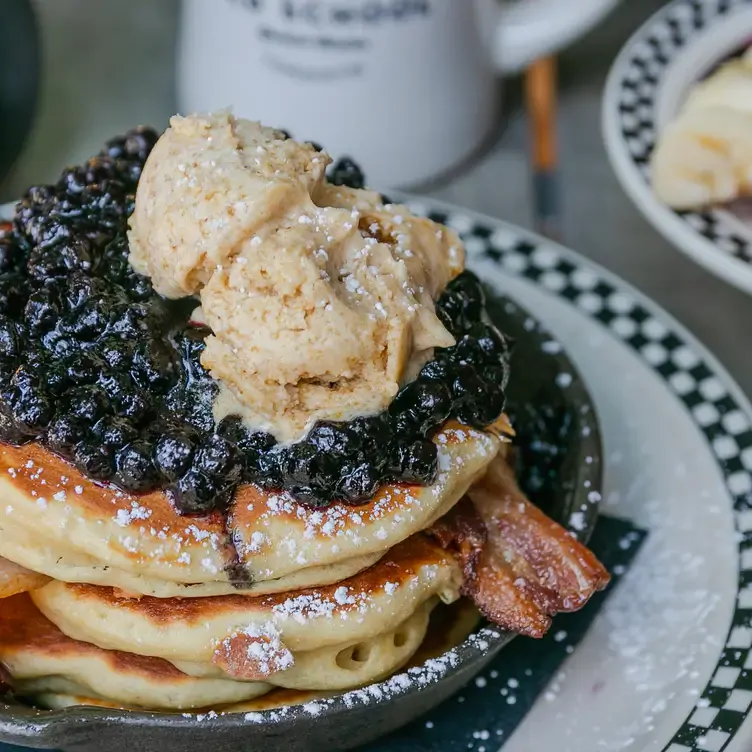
(714, 403)
(648, 56)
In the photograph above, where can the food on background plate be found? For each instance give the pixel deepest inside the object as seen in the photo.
(253, 431)
(704, 156)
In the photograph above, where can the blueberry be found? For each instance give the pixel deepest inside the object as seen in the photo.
(9, 341)
(13, 293)
(437, 370)
(139, 142)
(268, 470)
(462, 303)
(359, 483)
(30, 411)
(28, 402)
(11, 255)
(369, 435)
(115, 147)
(299, 464)
(135, 470)
(347, 172)
(64, 433)
(88, 403)
(153, 364)
(129, 321)
(45, 232)
(80, 289)
(57, 342)
(73, 179)
(420, 406)
(82, 367)
(117, 353)
(417, 462)
(485, 409)
(330, 438)
(87, 322)
(198, 404)
(60, 259)
(310, 495)
(217, 457)
(41, 311)
(195, 493)
(466, 385)
(7, 369)
(93, 459)
(138, 287)
(190, 344)
(55, 377)
(131, 402)
(115, 432)
(172, 454)
(8, 430)
(98, 170)
(249, 442)
(483, 344)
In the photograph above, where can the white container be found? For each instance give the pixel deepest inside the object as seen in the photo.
(407, 87)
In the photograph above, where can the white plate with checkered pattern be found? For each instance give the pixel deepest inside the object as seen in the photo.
(648, 82)
(668, 663)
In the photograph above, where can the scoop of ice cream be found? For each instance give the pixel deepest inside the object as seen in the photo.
(209, 184)
(320, 298)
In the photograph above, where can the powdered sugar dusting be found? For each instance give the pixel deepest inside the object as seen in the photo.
(399, 684)
(261, 648)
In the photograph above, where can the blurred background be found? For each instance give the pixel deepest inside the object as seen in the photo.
(110, 64)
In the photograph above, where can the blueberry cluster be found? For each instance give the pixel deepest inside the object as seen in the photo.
(106, 373)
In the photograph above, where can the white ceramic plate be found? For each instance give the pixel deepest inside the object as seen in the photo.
(646, 86)
(665, 665)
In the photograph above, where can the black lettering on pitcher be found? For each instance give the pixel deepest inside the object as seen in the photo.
(249, 4)
(342, 13)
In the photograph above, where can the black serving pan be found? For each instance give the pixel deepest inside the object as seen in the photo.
(560, 462)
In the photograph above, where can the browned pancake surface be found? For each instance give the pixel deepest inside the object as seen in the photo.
(398, 566)
(22, 627)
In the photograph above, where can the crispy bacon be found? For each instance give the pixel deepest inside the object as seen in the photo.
(520, 567)
(462, 532)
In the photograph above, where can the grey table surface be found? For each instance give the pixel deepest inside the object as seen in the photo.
(109, 65)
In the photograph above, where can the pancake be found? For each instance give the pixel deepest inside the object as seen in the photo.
(40, 658)
(43, 661)
(343, 666)
(15, 579)
(256, 638)
(267, 543)
(42, 555)
(449, 626)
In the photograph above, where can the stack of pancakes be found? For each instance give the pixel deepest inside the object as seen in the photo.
(114, 599)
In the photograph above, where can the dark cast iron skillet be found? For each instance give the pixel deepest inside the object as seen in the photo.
(560, 463)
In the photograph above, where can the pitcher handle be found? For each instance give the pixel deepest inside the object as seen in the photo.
(529, 29)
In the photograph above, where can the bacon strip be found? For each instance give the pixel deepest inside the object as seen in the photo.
(521, 568)
(462, 532)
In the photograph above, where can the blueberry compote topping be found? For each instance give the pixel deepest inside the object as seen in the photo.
(106, 373)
